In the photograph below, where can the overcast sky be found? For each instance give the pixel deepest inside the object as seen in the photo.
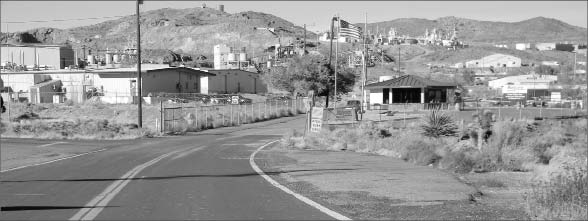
(314, 14)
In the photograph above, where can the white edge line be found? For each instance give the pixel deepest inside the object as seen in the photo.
(51, 144)
(52, 161)
(285, 189)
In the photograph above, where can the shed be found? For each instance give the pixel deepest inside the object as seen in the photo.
(410, 89)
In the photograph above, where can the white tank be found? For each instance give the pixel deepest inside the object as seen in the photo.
(90, 59)
(385, 78)
(232, 57)
(242, 57)
(116, 58)
(108, 58)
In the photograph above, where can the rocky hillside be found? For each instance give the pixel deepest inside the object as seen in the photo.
(191, 31)
(539, 29)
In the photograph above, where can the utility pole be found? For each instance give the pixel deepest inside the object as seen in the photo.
(336, 61)
(304, 43)
(365, 57)
(575, 54)
(140, 98)
(398, 60)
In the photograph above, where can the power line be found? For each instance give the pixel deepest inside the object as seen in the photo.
(59, 20)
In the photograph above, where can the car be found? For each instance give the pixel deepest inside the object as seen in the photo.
(219, 99)
(238, 99)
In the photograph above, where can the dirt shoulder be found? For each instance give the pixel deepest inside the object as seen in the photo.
(367, 186)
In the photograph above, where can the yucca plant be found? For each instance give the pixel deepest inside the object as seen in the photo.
(438, 124)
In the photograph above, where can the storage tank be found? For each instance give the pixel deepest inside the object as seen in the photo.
(221, 8)
(116, 58)
(108, 59)
(90, 59)
(385, 78)
(232, 57)
(242, 57)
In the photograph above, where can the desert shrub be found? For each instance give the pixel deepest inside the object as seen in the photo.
(459, 162)
(421, 152)
(68, 103)
(76, 129)
(438, 124)
(563, 197)
(490, 182)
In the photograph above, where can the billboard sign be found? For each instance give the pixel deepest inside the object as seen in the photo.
(514, 92)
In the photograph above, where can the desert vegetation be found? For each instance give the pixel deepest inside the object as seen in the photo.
(555, 152)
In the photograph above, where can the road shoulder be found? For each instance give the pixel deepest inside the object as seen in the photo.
(367, 186)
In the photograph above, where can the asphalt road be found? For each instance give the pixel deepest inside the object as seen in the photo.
(199, 176)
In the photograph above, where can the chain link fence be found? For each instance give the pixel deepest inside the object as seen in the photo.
(182, 117)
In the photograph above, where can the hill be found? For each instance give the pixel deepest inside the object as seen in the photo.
(539, 29)
(192, 31)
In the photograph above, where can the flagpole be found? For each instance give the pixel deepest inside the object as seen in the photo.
(336, 60)
(330, 57)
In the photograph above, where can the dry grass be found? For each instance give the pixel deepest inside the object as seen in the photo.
(76, 129)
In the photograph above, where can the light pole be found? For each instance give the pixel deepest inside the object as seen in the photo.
(139, 104)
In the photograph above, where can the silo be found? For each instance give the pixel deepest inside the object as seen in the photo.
(232, 57)
(90, 59)
(242, 57)
(221, 8)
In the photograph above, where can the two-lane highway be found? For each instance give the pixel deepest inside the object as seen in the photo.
(199, 176)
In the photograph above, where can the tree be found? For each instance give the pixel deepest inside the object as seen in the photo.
(310, 72)
(544, 70)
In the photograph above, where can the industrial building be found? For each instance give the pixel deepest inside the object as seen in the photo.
(409, 89)
(523, 46)
(545, 46)
(231, 81)
(112, 85)
(522, 87)
(226, 57)
(29, 56)
(495, 60)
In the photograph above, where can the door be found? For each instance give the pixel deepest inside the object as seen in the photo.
(386, 96)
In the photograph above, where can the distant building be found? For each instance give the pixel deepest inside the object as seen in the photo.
(50, 56)
(565, 47)
(550, 63)
(117, 85)
(545, 46)
(226, 57)
(522, 87)
(495, 60)
(523, 46)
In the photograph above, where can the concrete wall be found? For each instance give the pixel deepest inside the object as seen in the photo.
(376, 96)
(49, 56)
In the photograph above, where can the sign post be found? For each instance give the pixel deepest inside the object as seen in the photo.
(316, 120)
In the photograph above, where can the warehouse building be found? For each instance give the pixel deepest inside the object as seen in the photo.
(29, 56)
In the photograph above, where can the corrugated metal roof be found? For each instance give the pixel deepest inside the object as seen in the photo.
(409, 81)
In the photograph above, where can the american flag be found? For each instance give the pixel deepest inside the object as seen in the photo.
(349, 30)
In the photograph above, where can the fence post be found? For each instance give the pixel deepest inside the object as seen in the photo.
(162, 112)
(264, 109)
(205, 118)
(196, 113)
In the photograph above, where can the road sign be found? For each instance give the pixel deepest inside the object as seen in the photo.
(235, 100)
(317, 113)
(316, 125)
